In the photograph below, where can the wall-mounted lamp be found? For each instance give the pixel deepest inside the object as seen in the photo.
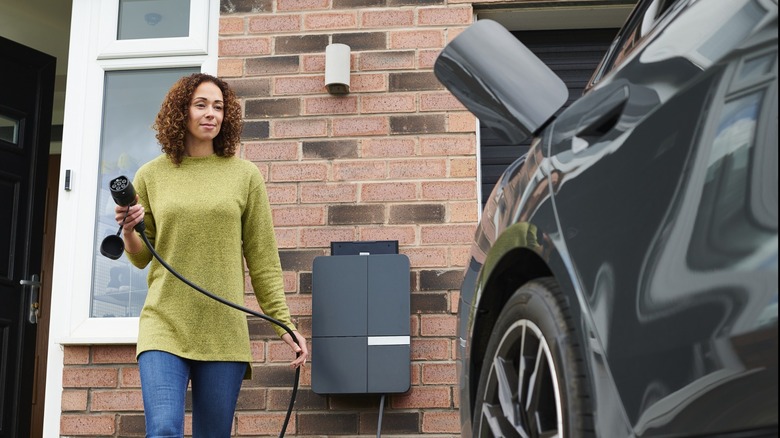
(337, 66)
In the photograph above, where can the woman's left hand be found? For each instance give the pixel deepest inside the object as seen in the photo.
(300, 349)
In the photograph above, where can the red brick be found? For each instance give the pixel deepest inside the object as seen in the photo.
(354, 126)
(76, 355)
(441, 422)
(386, 192)
(300, 128)
(466, 211)
(105, 354)
(263, 423)
(463, 168)
(446, 234)
(461, 122)
(102, 425)
(387, 18)
(453, 32)
(395, 60)
(244, 46)
(415, 375)
(424, 397)
(280, 352)
(300, 305)
(327, 193)
(301, 5)
(442, 16)
(359, 170)
(321, 237)
(263, 168)
(231, 25)
(416, 39)
(426, 257)
(454, 302)
(404, 235)
(90, 377)
(125, 400)
(438, 325)
(414, 323)
(370, 82)
(417, 168)
(330, 105)
(327, 21)
(258, 351)
(230, 68)
(430, 349)
(306, 375)
(282, 193)
(389, 147)
(295, 172)
(389, 103)
(448, 145)
(314, 63)
(286, 237)
(290, 280)
(274, 23)
(298, 216)
(271, 151)
(129, 377)
(440, 102)
(299, 85)
(447, 190)
(439, 374)
(427, 58)
(74, 400)
(460, 255)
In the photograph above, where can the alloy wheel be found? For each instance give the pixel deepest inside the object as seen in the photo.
(521, 397)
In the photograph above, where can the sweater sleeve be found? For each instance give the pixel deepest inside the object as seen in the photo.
(143, 257)
(262, 255)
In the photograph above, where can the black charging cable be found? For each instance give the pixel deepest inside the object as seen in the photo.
(121, 191)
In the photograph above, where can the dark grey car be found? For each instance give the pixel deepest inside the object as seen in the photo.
(623, 279)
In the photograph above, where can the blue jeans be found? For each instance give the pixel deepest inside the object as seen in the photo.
(215, 387)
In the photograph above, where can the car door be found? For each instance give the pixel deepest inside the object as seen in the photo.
(625, 153)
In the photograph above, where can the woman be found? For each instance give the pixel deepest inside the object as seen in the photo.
(206, 211)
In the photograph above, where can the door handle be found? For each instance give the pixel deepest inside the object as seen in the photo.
(600, 121)
(34, 306)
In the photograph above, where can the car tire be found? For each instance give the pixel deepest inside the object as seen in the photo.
(531, 382)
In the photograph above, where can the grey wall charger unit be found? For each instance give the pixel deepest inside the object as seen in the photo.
(360, 324)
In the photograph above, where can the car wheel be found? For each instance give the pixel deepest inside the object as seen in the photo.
(531, 383)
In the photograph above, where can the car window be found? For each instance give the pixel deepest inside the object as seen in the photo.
(645, 17)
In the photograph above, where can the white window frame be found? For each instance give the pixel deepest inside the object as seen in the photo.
(88, 63)
(110, 47)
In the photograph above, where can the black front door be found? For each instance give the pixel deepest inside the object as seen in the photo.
(26, 94)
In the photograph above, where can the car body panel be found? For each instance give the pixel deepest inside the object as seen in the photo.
(616, 200)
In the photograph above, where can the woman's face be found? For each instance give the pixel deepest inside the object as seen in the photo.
(206, 112)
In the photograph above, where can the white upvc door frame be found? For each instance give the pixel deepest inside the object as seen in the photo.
(91, 55)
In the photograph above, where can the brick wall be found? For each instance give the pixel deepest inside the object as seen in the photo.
(393, 160)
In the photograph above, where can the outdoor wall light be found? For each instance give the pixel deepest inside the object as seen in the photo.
(337, 66)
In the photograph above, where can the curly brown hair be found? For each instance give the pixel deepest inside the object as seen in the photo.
(171, 122)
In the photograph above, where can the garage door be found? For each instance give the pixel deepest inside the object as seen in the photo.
(573, 55)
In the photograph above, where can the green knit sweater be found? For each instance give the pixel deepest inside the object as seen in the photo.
(204, 218)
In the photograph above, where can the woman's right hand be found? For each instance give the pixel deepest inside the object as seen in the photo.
(135, 214)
